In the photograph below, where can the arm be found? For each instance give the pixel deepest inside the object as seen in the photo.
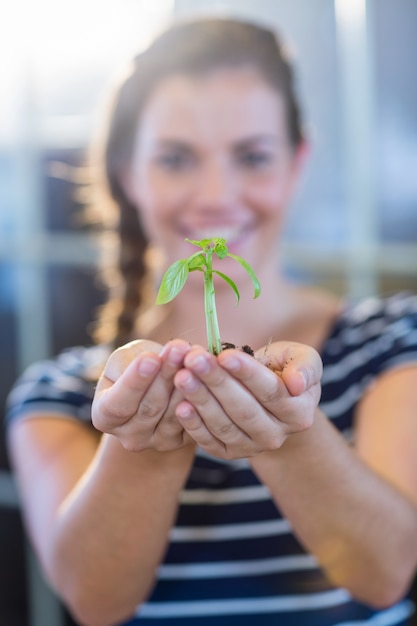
(361, 528)
(99, 515)
(355, 511)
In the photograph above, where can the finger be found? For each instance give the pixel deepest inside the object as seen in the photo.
(158, 402)
(172, 356)
(166, 426)
(287, 413)
(299, 365)
(116, 402)
(229, 410)
(267, 388)
(121, 358)
(139, 383)
(197, 430)
(197, 393)
(206, 405)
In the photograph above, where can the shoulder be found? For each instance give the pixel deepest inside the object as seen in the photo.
(61, 385)
(378, 331)
(367, 339)
(399, 305)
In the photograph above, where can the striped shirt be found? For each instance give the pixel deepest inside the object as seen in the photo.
(232, 559)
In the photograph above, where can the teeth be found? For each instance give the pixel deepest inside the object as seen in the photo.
(225, 232)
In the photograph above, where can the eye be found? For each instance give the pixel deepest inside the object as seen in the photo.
(175, 160)
(255, 159)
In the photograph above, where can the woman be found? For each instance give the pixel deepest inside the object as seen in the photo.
(215, 489)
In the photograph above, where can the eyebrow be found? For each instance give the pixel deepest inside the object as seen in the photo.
(241, 144)
(167, 142)
(261, 138)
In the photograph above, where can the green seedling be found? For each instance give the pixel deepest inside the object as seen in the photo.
(176, 276)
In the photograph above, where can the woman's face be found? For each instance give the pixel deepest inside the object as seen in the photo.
(212, 158)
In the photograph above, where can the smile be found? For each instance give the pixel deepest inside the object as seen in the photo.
(230, 233)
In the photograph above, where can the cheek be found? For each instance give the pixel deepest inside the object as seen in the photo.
(269, 199)
(158, 202)
(272, 191)
(159, 193)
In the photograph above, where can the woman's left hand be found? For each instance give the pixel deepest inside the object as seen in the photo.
(236, 407)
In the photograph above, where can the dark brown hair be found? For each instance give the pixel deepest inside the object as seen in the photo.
(190, 47)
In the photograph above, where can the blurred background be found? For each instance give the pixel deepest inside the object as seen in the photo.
(353, 226)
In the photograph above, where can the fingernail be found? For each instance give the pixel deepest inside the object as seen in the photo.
(199, 363)
(175, 356)
(231, 363)
(183, 411)
(189, 383)
(147, 366)
(303, 375)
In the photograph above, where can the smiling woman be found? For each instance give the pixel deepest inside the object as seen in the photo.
(162, 482)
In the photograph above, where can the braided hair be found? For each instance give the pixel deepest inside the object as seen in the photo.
(192, 47)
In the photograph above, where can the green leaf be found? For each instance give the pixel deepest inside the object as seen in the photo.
(247, 267)
(229, 282)
(196, 262)
(220, 247)
(203, 243)
(173, 281)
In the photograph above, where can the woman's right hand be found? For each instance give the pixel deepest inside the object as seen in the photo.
(135, 399)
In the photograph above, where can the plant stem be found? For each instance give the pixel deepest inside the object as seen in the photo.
(212, 325)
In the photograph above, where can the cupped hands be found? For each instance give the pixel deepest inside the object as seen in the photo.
(230, 405)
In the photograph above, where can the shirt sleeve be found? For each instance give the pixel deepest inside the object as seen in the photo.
(398, 341)
(63, 386)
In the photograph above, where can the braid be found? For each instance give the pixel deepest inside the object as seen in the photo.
(126, 276)
(124, 281)
(133, 270)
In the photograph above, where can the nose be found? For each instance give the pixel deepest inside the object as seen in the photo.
(217, 186)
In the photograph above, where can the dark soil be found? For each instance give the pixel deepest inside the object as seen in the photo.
(232, 346)
(264, 360)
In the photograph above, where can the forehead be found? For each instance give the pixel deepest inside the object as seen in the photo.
(226, 104)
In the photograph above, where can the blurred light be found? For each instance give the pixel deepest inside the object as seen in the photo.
(92, 25)
(57, 46)
(351, 12)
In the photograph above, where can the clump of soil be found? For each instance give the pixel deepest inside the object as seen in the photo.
(264, 359)
(231, 346)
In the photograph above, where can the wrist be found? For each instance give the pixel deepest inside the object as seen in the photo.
(298, 449)
(168, 463)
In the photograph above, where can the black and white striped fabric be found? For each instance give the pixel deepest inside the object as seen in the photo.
(232, 559)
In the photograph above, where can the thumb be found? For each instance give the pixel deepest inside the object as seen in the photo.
(121, 358)
(299, 366)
